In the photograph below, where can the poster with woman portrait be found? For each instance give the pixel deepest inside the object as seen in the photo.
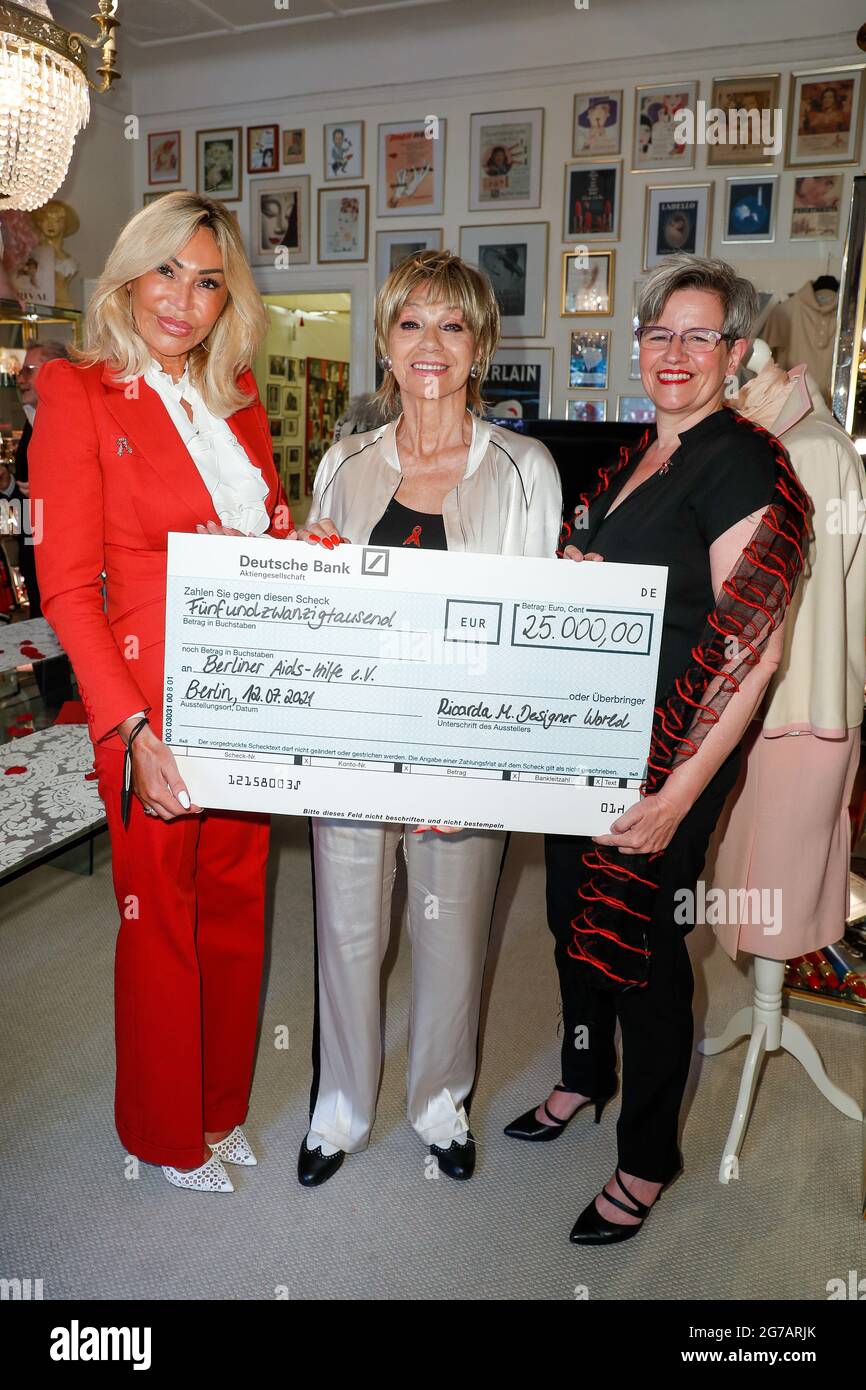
(411, 167)
(280, 220)
(816, 207)
(505, 159)
(263, 149)
(591, 209)
(163, 157)
(597, 124)
(677, 218)
(752, 96)
(657, 144)
(343, 221)
(219, 157)
(825, 117)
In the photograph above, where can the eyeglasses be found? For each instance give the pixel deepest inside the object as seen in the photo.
(693, 340)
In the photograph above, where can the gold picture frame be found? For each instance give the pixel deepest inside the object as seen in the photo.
(609, 255)
(715, 153)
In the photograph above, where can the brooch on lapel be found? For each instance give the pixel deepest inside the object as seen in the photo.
(123, 446)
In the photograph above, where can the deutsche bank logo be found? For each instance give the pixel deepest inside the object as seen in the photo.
(374, 561)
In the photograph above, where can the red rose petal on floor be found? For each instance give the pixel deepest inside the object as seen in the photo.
(9, 770)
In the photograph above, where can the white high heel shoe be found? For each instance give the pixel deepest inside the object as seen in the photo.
(210, 1177)
(235, 1149)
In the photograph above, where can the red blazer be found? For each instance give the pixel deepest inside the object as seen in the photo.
(113, 477)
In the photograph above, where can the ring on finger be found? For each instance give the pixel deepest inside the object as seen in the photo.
(149, 811)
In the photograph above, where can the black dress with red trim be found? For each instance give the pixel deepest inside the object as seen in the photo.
(725, 469)
(399, 525)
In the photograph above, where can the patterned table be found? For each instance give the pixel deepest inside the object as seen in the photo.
(34, 635)
(49, 806)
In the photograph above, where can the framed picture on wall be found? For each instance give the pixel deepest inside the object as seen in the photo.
(163, 157)
(394, 247)
(517, 386)
(585, 408)
(677, 217)
(293, 456)
(825, 117)
(634, 358)
(277, 366)
(263, 149)
(816, 207)
(658, 143)
(294, 368)
(597, 129)
(272, 398)
(291, 401)
(275, 425)
(505, 159)
(280, 218)
(344, 216)
(291, 426)
(294, 146)
(750, 208)
(753, 119)
(589, 358)
(587, 282)
(344, 150)
(513, 256)
(635, 410)
(279, 457)
(411, 167)
(219, 157)
(293, 491)
(591, 211)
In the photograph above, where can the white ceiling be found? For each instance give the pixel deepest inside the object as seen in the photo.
(149, 23)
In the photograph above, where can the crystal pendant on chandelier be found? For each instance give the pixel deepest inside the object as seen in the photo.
(44, 103)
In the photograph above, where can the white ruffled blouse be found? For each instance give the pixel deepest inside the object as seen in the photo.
(235, 484)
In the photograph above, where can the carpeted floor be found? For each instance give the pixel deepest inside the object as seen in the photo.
(382, 1228)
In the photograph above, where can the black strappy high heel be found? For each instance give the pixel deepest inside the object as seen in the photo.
(536, 1132)
(591, 1228)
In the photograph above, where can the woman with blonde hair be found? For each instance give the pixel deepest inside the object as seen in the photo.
(157, 427)
(437, 477)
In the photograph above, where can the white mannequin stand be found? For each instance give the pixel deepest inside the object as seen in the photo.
(768, 1031)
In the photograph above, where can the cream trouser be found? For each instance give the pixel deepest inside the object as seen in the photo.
(451, 887)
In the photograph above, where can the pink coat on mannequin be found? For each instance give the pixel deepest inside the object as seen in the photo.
(785, 828)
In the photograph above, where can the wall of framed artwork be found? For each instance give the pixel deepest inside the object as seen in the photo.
(326, 398)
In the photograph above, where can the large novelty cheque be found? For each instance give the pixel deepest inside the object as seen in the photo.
(382, 684)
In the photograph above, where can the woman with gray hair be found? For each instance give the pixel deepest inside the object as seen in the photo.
(693, 498)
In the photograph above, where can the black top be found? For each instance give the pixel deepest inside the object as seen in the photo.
(720, 472)
(399, 525)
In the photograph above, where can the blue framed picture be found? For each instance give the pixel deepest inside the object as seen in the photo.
(750, 208)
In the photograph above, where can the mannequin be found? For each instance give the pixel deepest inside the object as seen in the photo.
(808, 736)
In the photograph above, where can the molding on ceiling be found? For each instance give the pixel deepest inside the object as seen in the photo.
(725, 61)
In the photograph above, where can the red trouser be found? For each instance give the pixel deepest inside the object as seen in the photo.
(188, 970)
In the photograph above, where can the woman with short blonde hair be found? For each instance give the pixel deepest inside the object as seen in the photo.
(158, 427)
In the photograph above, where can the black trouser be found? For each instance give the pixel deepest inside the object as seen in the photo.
(656, 1021)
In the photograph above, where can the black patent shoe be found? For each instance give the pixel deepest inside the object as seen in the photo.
(591, 1228)
(458, 1160)
(314, 1167)
(537, 1132)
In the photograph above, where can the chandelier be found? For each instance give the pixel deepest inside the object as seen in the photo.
(44, 97)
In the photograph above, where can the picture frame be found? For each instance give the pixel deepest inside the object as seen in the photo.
(825, 117)
(295, 145)
(275, 425)
(218, 161)
(164, 156)
(635, 410)
(590, 409)
(634, 357)
(677, 217)
(591, 201)
(291, 402)
(411, 167)
(505, 157)
(394, 247)
(343, 158)
(278, 451)
(597, 124)
(513, 256)
(277, 366)
(294, 369)
(816, 207)
(293, 491)
(519, 381)
(263, 149)
(272, 397)
(344, 221)
(587, 289)
(280, 217)
(294, 456)
(750, 208)
(589, 358)
(291, 426)
(759, 93)
(654, 146)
